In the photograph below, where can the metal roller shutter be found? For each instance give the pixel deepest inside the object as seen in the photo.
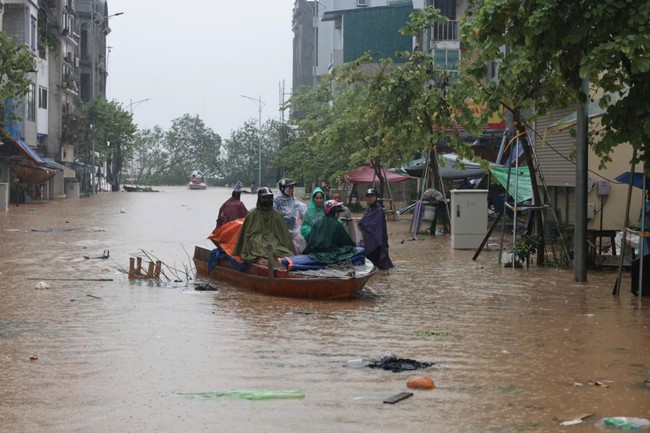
(555, 156)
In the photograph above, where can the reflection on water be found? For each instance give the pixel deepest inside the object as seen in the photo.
(515, 350)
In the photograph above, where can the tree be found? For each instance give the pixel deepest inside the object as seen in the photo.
(379, 112)
(191, 145)
(240, 159)
(108, 129)
(15, 62)
(551, 46)
(148, 156)
(241, 154)
(545, 51)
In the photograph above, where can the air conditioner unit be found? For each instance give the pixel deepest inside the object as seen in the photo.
(362, 3)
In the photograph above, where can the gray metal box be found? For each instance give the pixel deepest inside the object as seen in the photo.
(469, 217)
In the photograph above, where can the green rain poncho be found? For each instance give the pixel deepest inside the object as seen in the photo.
(329, 242)
(313, 214)
(262, 227)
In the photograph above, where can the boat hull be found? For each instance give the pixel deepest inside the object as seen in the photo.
(201, 185)
(283, 283)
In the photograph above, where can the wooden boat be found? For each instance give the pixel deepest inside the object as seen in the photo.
(261, 278)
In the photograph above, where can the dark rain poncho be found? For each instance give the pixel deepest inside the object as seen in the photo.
(375, 236)
(232, 209)
(329, 242)
(263, 227)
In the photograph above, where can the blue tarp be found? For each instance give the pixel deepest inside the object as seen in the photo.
(303, 262)
(637, 179)
(11, 126)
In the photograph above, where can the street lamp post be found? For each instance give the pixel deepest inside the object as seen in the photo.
(260, 104)
(92, 159)
(132, 103)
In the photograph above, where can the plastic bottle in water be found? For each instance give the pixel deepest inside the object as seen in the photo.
(358, 363)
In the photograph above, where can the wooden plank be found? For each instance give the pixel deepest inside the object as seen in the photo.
(398, 397)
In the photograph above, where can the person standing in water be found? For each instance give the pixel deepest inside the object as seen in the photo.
(375, 233)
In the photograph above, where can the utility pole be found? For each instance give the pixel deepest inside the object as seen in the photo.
(582, 167)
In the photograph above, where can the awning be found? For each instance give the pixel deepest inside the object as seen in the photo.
(21, 147)
(67, 171)
(593, 111)
(32, 175)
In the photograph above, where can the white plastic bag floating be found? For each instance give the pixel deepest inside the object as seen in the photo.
(42, 285)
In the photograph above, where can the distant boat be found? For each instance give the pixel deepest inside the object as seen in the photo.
(197, 180)
(134, 188)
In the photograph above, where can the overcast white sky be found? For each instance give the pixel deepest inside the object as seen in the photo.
(198, 58)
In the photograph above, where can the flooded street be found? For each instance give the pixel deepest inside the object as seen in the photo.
(515, 350)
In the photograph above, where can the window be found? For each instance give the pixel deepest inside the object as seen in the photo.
(447, 8)
(362, 3)
(31, 103)
(447, 59)
(33, 43)
(42, 98)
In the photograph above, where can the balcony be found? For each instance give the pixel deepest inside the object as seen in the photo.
(69, 83)
(449, 31)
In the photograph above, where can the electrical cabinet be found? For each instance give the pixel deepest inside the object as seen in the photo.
(469, 217)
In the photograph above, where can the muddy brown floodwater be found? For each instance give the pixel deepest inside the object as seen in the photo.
(515, 350)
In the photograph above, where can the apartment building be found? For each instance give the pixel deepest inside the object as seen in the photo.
(68, 41)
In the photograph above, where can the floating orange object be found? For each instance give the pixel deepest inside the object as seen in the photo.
(420, 382)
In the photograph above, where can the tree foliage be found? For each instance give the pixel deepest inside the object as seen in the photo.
(551, 46)
(190, 145)
(241, 156)
(15, 62)
(108, 129)
(148, 156)
(168, 157)
(376, 111)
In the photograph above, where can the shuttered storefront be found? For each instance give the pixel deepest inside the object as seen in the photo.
(555, 156)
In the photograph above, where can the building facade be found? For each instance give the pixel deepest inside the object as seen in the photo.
(322, 40)
(68, 41)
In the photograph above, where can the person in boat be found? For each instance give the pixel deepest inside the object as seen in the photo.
(314, 212)
(328, 241)
(263, 226)
(345, 216)
(233, 208)
(374, 231)
(292, 210)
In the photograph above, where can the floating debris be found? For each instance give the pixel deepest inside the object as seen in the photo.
(246, 394)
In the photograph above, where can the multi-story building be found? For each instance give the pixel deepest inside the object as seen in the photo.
(92, 21)
(20, 20)
(329, 33)
(69, 47)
